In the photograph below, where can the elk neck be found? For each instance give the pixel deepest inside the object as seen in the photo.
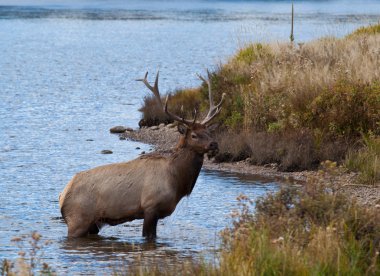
(186, 165)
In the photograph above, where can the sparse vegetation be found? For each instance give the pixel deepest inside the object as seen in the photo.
(366, 160)
(311, 101)
(313, 230)
(29, 261)
(309, 231)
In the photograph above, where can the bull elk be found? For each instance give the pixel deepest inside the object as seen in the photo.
(148, 187)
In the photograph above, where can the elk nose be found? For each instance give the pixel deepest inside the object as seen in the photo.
(213, 146)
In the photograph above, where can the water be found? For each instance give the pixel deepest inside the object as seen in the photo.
(67, 74)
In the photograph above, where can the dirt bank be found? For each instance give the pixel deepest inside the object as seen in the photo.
(165, 138)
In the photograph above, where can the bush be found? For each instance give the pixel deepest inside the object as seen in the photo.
(309, 231)
(183, 103)
(306, 99)
(252, 53)
(367, 30)
(366, 160)
(152, 113)
(232, 146)
(290, 150)
(346, 109)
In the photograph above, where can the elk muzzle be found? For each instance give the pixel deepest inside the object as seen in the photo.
(212, 149)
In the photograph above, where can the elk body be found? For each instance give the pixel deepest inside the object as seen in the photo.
(148, 187)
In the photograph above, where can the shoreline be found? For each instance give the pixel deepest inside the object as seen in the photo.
(165, 137)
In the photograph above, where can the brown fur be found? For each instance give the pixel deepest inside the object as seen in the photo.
(148, 187)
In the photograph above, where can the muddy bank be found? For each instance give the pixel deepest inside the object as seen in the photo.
(164, 138)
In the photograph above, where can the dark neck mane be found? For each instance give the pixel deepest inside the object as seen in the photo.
(186, 165)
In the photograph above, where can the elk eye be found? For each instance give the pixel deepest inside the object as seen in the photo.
(194, 136)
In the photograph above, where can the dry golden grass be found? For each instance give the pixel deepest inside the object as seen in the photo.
(329, 84)
(30, 261)
(284, 84)
(328, 88)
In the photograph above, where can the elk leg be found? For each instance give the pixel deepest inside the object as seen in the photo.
(76, 232)
(150, 225)
(78, 227)
(94, 229)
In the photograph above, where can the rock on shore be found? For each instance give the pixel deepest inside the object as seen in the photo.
(120, 129)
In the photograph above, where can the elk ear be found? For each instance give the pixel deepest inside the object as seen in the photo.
(212, 127)
(182, 129)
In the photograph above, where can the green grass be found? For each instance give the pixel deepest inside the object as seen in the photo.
(367, 30)
(366, 160)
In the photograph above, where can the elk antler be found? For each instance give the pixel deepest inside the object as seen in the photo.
(156, 93)
(214, 109)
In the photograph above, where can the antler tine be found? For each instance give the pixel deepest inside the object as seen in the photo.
(156, 81)
(195, 115)
(214, 110)
(154, 89)
(175, 117)
(156, 93)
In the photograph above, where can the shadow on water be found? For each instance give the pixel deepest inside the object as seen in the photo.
(255, 179)
(99, 245)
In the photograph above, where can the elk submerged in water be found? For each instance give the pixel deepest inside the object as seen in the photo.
(148, 187)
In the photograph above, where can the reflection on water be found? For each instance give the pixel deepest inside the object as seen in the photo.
(106, 249)
(106, 252)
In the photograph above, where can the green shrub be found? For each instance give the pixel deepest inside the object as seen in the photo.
(346, 109)
(366, 160)
(235, 120)
(366, 30)
(304, 231)
(252, 53)
(183, 103)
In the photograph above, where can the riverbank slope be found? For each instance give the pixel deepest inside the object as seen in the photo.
(165, 137)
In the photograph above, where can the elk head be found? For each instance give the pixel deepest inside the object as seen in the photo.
(194, 134)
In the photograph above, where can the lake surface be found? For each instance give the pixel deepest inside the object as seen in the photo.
(67, 74)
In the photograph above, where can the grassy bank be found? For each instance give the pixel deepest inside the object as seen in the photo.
(294, 104)
(313, 230)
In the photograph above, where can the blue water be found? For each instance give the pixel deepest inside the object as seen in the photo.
(67, 74)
